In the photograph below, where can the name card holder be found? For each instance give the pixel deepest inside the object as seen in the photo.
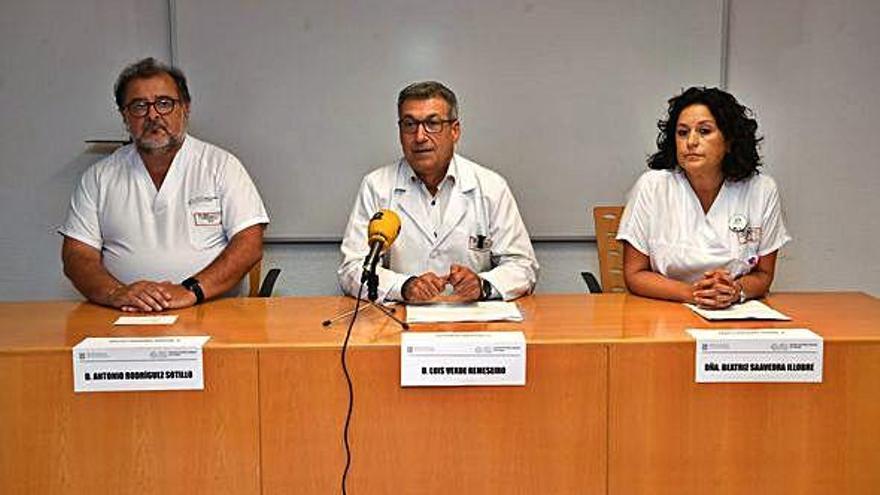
(758, 356)
(119, 364)
(438, 359)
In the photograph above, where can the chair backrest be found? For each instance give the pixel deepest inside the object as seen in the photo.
(606, 220)
(264, 288)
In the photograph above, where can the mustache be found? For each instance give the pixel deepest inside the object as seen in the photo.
(152, 125)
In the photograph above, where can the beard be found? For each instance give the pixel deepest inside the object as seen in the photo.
(160, 142)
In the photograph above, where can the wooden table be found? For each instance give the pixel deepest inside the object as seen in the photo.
(55, 441)
(671, 435)
(609, 407)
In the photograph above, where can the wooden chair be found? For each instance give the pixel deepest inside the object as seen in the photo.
(255, 288)
(606, 219)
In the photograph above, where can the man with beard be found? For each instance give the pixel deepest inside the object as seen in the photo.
(167, 221)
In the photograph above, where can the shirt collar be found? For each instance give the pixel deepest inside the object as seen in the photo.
(460, 171)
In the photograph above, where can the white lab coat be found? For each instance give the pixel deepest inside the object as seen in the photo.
(663, 219)
(480, 203)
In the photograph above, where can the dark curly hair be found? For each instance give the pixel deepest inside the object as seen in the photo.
(145, 69)
(734, 121)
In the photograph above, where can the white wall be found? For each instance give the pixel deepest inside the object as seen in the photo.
(315, 83)
(809, 68)
(58, 61)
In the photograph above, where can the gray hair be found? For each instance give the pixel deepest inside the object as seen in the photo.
(429, 89)
(145, 69)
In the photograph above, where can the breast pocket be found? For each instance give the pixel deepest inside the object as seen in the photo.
(205, 222)
(480, 252)
(460, 248)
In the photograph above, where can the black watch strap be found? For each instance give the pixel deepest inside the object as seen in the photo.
(485, 290)
(193, 286)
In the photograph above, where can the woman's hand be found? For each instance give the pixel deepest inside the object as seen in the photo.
(716, 290)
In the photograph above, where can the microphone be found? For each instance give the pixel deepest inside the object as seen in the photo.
(381, 233)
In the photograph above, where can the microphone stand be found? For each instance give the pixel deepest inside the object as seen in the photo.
(370, 276)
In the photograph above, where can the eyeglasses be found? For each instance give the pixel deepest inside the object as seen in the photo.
(163, 105)
(432, 125)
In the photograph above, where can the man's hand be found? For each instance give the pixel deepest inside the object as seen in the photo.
(161, 296)
(716, 290)
(143, 295)
(181, 297)
(423, 288)
(465, 283)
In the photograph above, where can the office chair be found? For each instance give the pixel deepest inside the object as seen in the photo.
(255, 288)
(610, 251)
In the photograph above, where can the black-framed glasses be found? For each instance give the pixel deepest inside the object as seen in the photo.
(163, 105)
(432, 125)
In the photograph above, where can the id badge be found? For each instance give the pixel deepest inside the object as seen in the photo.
(206, 218)
(754, 234)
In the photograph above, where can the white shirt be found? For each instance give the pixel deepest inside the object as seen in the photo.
(143, 234)
(663, 219)
(480, 203)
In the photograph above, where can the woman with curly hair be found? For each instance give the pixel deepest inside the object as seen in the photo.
(704, 225)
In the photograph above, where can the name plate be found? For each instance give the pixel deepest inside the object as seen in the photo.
(758, 356)
(440, 359)
(118, 364)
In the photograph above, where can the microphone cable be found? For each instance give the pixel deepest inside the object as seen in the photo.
(345, 371)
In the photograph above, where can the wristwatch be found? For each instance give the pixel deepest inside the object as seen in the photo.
(485, 290)
(192, 285)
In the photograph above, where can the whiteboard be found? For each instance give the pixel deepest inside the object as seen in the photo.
(559, 96)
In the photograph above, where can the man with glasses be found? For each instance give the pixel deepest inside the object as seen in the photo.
(166, 221)
(461, 231)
